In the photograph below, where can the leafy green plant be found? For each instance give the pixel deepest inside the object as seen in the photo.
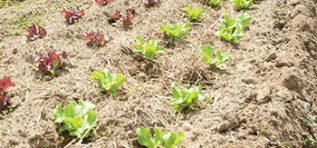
(149, 48)
(78, 119)
(159, 138)
(175, 31)
(232, 29)
(108, 81)
(213, 56)
(213, 3)
(242, 4)
(186, 98)
(194, 14)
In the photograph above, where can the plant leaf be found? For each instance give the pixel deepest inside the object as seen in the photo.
(107, 81)
(76, 118)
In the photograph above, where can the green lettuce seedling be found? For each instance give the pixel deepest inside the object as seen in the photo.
(78, 119)
(242, 4)
(108, 81)
(159, 138)
(149, 48)
(232, 29)
(186, 98)
(194, 14)
(175, 31)
(213, 3)
(213, 56)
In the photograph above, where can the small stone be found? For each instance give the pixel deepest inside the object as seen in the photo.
(293, 83)
(47, 78)
(263, 96)
(15, 51)
(227, 125)
(281, 64)
(253, 61)
(249, 81)
(294, 2)
(271, 57)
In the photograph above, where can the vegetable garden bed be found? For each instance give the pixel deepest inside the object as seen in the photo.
(183, 73)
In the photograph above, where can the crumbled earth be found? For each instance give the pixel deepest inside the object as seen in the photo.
(265, 96)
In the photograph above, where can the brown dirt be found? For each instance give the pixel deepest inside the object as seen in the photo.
(261, 97)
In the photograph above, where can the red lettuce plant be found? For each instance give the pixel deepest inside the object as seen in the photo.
(95, 39)
(72, 16)
(103, 2)
(115, 17)
(50, 63)
(151, 3)
(35, 32)
(127, 19)
(4, 84)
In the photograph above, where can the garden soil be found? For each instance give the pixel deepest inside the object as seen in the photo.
(264, 96)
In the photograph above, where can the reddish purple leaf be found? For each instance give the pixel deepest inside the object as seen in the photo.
(72, 16)
(115, 17)
(95, 39)
(52, 62)
(4, 84)
(151, 3)
(35, 32)
(103, 2)
(127, 19)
